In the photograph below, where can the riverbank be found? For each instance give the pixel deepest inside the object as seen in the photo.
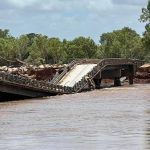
(42, 72)
(143, 74)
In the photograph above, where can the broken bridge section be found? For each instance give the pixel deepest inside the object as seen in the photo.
(87, 74)
(77, 76)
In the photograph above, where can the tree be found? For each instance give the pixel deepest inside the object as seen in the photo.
(8, 48)
(4, 33)
(124, 43)
(145, 17)
(56, 54)
(81, 47)
(38, 51)
(22, 44)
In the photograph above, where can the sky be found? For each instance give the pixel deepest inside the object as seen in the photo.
(70, 18)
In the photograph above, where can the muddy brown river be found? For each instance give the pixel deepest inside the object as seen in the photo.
(107, 119)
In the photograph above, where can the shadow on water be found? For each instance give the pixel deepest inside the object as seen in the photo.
(5, 97)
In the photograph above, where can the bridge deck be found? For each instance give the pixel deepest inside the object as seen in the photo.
(76, 74)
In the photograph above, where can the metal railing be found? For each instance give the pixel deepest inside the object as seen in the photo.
(60, 76)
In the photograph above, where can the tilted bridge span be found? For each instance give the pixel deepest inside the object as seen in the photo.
(77, 76)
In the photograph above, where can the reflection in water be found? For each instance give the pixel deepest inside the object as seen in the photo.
(113, 118)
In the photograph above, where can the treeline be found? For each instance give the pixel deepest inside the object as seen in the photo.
(40, 49)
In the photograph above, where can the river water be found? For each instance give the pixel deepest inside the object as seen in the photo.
(108, 119)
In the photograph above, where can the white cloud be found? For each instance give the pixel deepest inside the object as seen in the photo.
(63, 5)
(69, 18)
(70, 5)
(97, 5)
(50, 5)
(130, 2)
(22, 3)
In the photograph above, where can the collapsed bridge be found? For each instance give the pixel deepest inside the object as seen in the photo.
(77, 76)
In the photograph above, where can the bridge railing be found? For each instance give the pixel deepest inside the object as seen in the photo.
(32, 83)
(60, 76)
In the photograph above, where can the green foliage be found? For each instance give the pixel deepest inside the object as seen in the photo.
(38, 49)
(146, 43)
(146, 38)
(4, 33)
(55, 50)
(124, 43)
(81, 47)
(22, 44)
(145, 17)
(7, 48)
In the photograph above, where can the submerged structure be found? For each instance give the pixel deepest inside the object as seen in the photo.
(77, 76)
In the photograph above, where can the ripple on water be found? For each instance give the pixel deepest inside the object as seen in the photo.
(111, 118)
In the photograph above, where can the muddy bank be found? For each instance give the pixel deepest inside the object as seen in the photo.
(43, 72)
(143, 74)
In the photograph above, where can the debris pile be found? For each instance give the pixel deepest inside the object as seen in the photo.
(43, 72)
(143, 74)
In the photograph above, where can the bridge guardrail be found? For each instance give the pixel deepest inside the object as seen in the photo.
(31, 83)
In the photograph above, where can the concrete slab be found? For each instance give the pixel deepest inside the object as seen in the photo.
(76, 74)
